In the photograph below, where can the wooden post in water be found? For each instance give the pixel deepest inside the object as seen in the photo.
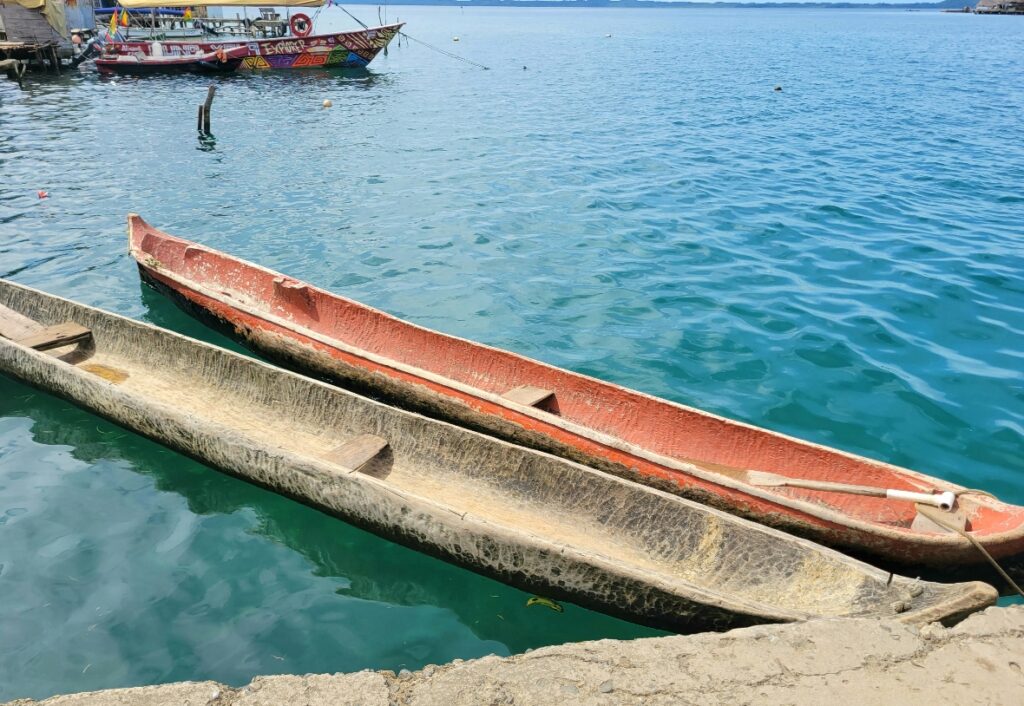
(203, 125)
(15, 69)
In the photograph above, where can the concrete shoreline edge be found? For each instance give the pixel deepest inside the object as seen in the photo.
(979, 661)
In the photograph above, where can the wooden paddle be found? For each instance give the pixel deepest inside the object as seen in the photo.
(943, 501)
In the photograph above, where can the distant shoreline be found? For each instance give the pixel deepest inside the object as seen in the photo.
(671, 4)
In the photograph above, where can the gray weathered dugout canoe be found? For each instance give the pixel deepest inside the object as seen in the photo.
(535, 521)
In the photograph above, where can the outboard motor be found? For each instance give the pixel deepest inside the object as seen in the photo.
(90, 51)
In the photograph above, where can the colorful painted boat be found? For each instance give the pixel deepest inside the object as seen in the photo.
(680, 449)
(539, 522)
(298, 50)
(115, 61)
(353, 49)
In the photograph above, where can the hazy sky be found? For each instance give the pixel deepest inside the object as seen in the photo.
(861, 2)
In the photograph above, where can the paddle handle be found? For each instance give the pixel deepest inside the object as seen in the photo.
(833, 487)
(944, 501)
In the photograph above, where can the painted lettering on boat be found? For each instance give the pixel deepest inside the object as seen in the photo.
(294, 46)
(181, 49)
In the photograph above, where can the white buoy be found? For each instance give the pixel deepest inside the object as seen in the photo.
(327, 103)
(455, 39)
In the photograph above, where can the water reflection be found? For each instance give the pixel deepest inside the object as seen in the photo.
(161, 311)
(207, 142)
(365, 78)
(370, 568)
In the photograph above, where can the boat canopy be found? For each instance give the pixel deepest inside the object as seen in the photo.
(135, 4)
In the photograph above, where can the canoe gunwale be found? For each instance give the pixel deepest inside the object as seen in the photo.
(834, 521)
(159, 420)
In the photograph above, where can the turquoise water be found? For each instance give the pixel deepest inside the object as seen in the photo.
(841, 260)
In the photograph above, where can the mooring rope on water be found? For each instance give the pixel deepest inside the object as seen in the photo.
(446, 53)
(439, 50)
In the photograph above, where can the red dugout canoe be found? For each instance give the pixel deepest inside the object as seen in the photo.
(728, 464)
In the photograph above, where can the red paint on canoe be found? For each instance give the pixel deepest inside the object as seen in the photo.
(214, 61)
(695, 452)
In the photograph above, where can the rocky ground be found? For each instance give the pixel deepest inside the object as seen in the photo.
(980, 661)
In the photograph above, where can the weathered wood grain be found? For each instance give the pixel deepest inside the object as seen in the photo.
(56, 336)
(528, 395)
(358, 452)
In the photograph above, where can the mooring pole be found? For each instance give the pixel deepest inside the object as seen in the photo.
(204, 111)
(15, 69)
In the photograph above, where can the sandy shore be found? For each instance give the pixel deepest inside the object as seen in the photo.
(980, 661)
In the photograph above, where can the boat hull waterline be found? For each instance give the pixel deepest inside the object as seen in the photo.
(355, 49)
(678, 449)
(536, 521)
(208, 63)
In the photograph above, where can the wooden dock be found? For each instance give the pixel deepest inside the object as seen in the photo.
(28, 37)
(39, 53)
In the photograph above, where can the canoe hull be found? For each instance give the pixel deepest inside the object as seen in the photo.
(348, 50)
(522, 557)
(147, 68)
(942, 558)
(139, 63)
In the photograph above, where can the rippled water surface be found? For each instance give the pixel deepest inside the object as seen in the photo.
(840, 260)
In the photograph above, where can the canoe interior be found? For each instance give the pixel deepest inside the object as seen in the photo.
(714, 444)
(549, 525)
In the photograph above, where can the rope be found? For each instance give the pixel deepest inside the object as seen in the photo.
(361, 23)
(418, 41)
(973, 491)
(939, 519)
(446, 53)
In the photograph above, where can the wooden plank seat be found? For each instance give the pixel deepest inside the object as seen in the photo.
(530, 396)
(14, 325)
(64, 334)
(355, 454)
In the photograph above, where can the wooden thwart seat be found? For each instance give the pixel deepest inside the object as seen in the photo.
(28, 332)
(64, 334)
(529, 396)
(14, 325)
(928, 519)
(356, 453)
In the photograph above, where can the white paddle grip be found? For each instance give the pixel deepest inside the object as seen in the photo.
(943, 501)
